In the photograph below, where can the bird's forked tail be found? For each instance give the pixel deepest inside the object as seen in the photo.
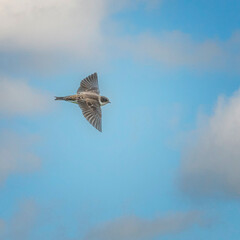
(59, 98)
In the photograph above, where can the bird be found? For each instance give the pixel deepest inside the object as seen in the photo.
(89, 100)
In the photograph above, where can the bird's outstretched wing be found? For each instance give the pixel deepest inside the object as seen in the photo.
(89, 84)
(92, 112)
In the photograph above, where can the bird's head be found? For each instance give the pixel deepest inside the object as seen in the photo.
(104, 100)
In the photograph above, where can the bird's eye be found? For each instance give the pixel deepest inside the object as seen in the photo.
(104, 99)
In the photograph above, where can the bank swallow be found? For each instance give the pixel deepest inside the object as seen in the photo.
(89, 100)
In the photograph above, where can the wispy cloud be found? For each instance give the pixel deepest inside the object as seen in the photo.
(178, 49)
(17, 97)
(16, 156)
(135, 228)
(21, 222)
(210, 161)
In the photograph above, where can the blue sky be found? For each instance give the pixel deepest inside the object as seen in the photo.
(167, 163)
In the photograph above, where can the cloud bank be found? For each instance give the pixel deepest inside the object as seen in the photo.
(49, 32)
(211, 159)
(51, 25)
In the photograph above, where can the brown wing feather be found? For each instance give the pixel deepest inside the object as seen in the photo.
(92, 112)
(89, 84)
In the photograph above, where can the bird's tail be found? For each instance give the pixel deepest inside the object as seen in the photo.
(59, 98)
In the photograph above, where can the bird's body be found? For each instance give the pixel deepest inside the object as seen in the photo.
(89, 100)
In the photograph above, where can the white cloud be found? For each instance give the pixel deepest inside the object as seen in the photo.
(52, 25)
(21, 223)
(18, 98)
(211, 159)
(43, 33)
(134, 228)
(15, 156)
(58, 26)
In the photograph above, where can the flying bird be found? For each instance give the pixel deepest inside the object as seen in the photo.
(89, 100)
